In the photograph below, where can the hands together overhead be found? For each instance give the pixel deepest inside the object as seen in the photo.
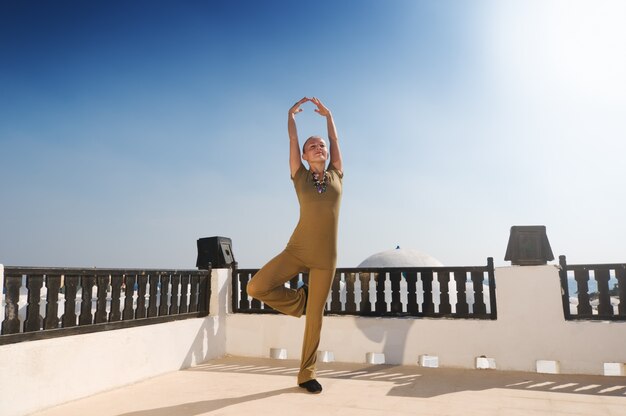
(321, 108)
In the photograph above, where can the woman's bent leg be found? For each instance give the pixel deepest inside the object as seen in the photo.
(319, 286)
(268, 285)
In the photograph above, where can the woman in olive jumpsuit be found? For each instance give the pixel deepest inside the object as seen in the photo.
(312, 247)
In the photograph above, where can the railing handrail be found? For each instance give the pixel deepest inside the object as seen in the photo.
(399, 269)
(591, 266)
(86, 271)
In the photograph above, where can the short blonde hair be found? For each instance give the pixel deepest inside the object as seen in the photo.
(312, 137)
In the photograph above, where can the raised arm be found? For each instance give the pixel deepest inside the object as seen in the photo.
(335, 151)
(294, 145)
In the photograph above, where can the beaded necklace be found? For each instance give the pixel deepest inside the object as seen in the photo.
(319, 185)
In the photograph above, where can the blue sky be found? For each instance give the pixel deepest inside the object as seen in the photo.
(130, 129)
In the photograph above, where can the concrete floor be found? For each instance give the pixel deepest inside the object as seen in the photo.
(250, 386)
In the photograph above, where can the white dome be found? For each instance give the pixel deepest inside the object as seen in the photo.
(400, 257)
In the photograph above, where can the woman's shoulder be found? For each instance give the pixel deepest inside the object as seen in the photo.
(301, 171)
(333, 169)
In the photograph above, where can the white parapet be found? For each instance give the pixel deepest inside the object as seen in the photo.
(548, 366)
(614, 369)
(278, 353)
(431, 361)
(375, 358)
(485, 363)
(325, 356)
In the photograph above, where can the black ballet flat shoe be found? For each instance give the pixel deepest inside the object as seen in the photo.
(312, 386)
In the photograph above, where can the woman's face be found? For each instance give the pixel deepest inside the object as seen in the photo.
(315, 150)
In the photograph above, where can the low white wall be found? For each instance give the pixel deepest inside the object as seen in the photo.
(530, 327)
(82, 365)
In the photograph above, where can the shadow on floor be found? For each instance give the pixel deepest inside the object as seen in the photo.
(437, 382)
(420, 382)
(205, 406)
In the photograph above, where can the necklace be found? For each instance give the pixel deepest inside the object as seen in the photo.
(319, 185)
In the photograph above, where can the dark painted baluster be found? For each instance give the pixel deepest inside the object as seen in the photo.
(582, 281)
(350, 292)
(234, 290)
(130, 280)
(184, 293)
(444, 299)
(102, 282)
(462, 308)
(493, 307)
(116, 293)
(142, 282)
(244, 302)
(479, 300)
(427, 283)
(396, 303)
(366, 304)
(335, 302)
(153, 299)
(70, 286)
(564, 287)
(412, 306)
(193, 301)
(381, 304)
(174, 308)
(620, 275)
(204, 295)
(165, 294)
(53, 283)
(604, 306)
(254, 303)
(11, 323)
(33, 322)
(241, 292)
(87, 283)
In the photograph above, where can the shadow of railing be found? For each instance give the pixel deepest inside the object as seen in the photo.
(423, 382)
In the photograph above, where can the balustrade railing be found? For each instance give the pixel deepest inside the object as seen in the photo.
(436, 292)
(593, 291)
(42, 303)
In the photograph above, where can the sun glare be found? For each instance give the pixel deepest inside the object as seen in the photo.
(574, 48)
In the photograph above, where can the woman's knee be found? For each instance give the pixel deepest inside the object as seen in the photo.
(255, 288)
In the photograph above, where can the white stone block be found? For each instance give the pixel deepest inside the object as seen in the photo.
(614, 369)
(548, 366)
(325, 356)
(375, 358)
(278, 353)
(429, 361)
(485, 363)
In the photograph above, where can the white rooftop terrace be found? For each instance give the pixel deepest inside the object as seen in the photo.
(261, 386)
(220, 365)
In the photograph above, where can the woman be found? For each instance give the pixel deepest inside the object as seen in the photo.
(312, 247)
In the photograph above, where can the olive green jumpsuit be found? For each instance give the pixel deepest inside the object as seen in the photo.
(313, 248)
